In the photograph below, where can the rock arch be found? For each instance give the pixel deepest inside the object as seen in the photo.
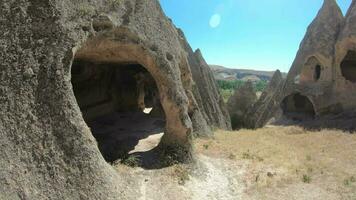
(106, 49)
(298, 106)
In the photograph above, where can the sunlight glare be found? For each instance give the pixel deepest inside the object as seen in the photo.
(215, 20)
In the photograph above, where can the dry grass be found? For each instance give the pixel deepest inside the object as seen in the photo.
(279, 158)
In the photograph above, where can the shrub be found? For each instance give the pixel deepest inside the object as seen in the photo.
(115, 3)
(85, 9)
(181, 173)
(132, 161)
(349, 181)
(232, 156)
(306, 179)
(206, 146)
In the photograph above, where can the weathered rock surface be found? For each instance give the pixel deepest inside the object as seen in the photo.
(239, 103)
(46, 149)
(211, 104)
(267, 105)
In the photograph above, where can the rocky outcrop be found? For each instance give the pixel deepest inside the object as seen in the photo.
(316, 49)
(47, 150)
(322, 78)
(267, 105)
(344, 73)
(239, 104)
(210, 103)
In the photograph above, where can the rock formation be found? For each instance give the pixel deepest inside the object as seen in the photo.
(310, 77)
(267, 105)
(210, 103)
(47, 49)
(239, 103)
(322, 78)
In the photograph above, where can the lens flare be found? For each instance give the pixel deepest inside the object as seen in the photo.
(215, 21)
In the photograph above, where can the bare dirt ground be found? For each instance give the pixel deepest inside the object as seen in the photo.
(270, 163)
(124, 133)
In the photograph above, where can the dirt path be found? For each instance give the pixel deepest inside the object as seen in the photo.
(219, 180)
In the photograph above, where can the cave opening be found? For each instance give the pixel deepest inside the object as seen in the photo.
(348, 66)
(298, 107)
(120, 103)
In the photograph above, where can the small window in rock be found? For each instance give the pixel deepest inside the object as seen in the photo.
(311, 71)
(317, 72)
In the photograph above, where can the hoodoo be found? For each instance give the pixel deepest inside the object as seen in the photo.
(322, 80)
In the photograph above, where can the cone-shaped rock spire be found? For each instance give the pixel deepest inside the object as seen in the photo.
(319, 41)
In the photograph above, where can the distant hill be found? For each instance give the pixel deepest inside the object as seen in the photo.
(224, 73)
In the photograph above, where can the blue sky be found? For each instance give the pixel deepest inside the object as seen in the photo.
(250, 34)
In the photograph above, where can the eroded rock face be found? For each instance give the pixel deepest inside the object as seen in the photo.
(47, 150)
(211, 104)
(267, 105)
(239, 103)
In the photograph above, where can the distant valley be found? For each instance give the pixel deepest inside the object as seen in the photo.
(229, 74)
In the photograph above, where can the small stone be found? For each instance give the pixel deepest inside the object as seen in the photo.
(28, 73)
(58, 72)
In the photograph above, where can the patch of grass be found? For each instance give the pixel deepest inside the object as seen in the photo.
(349, 181)
(306, 178)
(308, 158)
(270, 174)
(232, 156)
(352, 179)
(172, 155)
(85, 9)
(249, 156)
(132, 161)
(259, 158)
(214, 128)
(206, 146)
(257, 178)
(115, 3)
(181, 173)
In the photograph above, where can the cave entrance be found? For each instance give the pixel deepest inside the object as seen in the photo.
(298, 107)
(348, 66)
(120, 103)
